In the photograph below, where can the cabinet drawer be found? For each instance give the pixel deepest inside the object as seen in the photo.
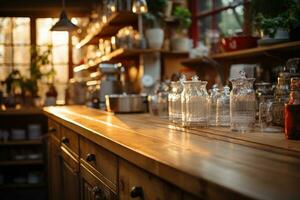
(69, 140)
(101, 160)
(92, 188)
(53, 128)
(135, 182)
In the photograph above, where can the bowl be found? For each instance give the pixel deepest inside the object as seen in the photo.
(235, 43)
(126, 103)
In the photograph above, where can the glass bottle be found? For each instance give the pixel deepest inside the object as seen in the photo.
(196, 100)
(175, 102)
(223, 108)
(214, 95)
(242, 104)
(292, 111)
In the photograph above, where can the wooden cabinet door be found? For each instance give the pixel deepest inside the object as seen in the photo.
(54, 169)
(70, 176)
(92, 188)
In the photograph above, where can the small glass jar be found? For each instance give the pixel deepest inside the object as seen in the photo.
(242, 104)
(214, 95)
(175, 102)
(223, 108)
(195, 112)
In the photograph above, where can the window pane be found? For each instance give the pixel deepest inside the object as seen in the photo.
(6, 54)
(61, 73)
(60, 54)
(229, 23)
(22, 54)
(23, 70)
(60, 38)
(5, 30)
(43, 34)
(4, 71)
(21, 32)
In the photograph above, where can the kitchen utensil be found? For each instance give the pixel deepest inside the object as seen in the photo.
(126, 103)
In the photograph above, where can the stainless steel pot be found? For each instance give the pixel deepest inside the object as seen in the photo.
(123, 103)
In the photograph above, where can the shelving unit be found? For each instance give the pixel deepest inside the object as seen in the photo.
(114, 23)
(10, 168)
(117, 55)
(247, 54)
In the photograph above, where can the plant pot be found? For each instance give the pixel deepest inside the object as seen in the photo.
(236, 43)
(155, 37)
(180, 44)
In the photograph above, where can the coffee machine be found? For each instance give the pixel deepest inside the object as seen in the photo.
(110, 81)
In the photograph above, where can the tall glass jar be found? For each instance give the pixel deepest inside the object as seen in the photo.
(195, 104)
(214, 95)
(242, 104)
(223, 108)
(175, 102)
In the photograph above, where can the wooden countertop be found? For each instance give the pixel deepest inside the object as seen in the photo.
(204, 161)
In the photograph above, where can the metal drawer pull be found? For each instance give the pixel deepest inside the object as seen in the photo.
(90, 157)
(137, 191)
(65, 140)
(99, 194)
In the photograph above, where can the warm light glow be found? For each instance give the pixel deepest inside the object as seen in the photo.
(104, 19)
(74, 21)
(94, 74)
(90, 83)
(80, 68)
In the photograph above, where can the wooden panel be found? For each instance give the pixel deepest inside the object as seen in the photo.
(70, 181)
(152, 187)
(54, 128)
(70, 140)
(92, 188)
(104, 161)
(206, 161)
(54, 163)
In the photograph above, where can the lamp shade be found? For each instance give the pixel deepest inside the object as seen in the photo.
(64, 24)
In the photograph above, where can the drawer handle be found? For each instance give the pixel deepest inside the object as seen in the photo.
(90, 157)
(137, 191)
(99, 194)
(65, 140)
(51, 129)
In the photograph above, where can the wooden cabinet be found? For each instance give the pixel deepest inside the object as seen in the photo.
(92, 188)
(70, 176)
(135, 183)
(54, 168)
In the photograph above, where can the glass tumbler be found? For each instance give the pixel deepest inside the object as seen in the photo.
(223, 108)
(242, 104)
(195, 104)
(175, 102)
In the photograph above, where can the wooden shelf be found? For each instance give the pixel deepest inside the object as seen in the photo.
(21, 111)
(21, 162)
(117, 55)
(21, 143)
(237, 56)
(114, 23)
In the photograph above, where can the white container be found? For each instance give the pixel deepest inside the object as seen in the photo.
(180, 44)
(155, 37)
(34, 131)
(18, 134)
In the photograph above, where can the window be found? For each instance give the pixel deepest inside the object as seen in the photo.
(225, 16)
(14, 45)
(59, 57)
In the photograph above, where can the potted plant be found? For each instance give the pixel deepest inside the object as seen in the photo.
(180, 41)
(39, 59)
(154, 22)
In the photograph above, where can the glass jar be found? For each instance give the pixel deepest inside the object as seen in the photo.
(175, 102)
(214, 95)
(263, 91)
(242, 104)
(223, 108)
(195, 104)
(162, 100)
(281, 96)
(292, 110)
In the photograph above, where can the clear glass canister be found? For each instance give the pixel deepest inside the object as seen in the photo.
(195, 104)
(242, 104)
(223, 108)
(214, 95)
(175, 102)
